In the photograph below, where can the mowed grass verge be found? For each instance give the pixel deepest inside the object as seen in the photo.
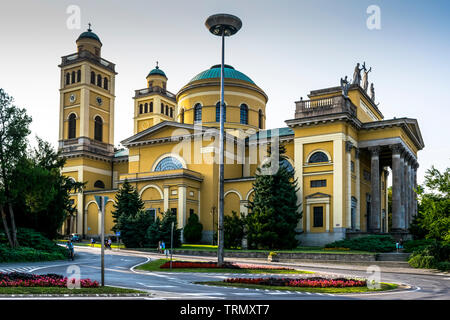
(383, 287)
(155, 265)
(59, 290)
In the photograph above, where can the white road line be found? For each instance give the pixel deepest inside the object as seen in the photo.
(246, 293)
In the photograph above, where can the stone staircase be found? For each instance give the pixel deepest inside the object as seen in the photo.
(393, 256)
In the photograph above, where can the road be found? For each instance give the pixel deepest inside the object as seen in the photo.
(120, 272)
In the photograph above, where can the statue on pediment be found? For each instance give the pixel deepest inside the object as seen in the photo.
(372, 92)
(357, 75)
(366, 77)
(345, 85)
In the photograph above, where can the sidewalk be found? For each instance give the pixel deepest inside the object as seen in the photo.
(302, 264)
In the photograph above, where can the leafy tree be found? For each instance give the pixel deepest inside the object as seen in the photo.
(192, 231)
(273, 211)
(166, 225)
(233, 230)
(41, 193)
(14, 129)
(434, 206)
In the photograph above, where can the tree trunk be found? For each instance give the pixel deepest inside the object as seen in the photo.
(5, 226)
(13, 226)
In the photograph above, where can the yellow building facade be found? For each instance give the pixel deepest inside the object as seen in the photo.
(338, 144)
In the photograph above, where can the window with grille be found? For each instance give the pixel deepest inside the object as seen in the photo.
(198, 113)
(168, 163)
(318, 157)
(244, 114)
(317, 217)
(318, 183)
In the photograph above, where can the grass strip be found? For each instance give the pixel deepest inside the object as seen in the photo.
(155, 266)
(58, 290)
(384, 287)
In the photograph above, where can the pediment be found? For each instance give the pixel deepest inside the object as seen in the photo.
(318, 195)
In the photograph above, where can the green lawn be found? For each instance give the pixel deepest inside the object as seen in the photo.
(58, 290)
(384, 287)
(298, 250)
(155, 266)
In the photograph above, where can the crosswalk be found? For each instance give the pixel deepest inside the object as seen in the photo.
(18, 269)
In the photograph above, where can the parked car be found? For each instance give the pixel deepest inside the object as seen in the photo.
(75, 237)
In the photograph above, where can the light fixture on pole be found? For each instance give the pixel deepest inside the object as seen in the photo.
(223, 25)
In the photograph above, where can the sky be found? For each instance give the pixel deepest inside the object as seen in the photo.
(287, 47)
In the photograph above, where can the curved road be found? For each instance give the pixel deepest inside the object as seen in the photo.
(120, 272)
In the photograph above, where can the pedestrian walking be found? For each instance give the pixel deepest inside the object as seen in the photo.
(109, 243)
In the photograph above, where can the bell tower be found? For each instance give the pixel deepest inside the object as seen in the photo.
(155, 103)
(87, 99)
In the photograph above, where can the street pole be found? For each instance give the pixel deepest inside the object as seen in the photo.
(103, 239)
(222, 25)
(171, 245)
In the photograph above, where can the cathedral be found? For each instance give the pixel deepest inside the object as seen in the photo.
(338, 144)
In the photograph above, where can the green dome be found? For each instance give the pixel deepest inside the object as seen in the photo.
(90, 35)
(157, 71)
(214, 72)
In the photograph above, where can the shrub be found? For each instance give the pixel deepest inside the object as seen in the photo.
(443, 266)
(192, 232)
(374, 243)
(233, 231)
(417, 245)
(422, 261)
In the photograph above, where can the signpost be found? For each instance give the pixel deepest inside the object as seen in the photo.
(118, 241)
(101, 200)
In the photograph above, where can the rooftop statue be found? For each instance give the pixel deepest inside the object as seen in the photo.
(357, 75)
(345, 84)
(372, 92)
(366, 77)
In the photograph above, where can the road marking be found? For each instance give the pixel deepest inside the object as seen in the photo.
(246, 293)
(145, 285)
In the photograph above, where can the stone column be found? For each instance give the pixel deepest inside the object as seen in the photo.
(298, 158)
(402, 190)
(348, 149)
(182, 191)
(357, 191)
(416, 166)
(166, 198)
(408, 191)
(386, 175)
(396, 187)
(375, 204)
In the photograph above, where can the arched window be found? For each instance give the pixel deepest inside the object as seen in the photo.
(285, 163)
(72, 126)
(168, 163)
(141, 108)
(73, 76)
(171, 112)
(67, 78)
(146, 108)
(98, 129)
(105, 83)
(78, 75)
(317, 157)
(151, 106)
(244, 114)
(99, 184)
(162, 108)
(182, 116)
(99, 80)
(260, 119)
(92, 77)
(198, 112)
(218, 112)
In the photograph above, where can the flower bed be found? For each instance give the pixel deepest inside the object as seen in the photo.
(314, 282)
(226, 265)
(19, 279)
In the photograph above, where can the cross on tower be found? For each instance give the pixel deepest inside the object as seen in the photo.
(89, 29)
(157, 65)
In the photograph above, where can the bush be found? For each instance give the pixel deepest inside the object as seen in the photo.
(192, 232)
(33, 247)
(422, 261)
(443, 266)
(153, 235)
(233, 231)
(417, 245)
(374, 243)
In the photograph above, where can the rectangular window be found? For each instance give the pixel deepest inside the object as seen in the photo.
(318, 217)
(191, 211)
(352, 166)
(366, 175)
(318, 183)
(174, 211)
(152, 213)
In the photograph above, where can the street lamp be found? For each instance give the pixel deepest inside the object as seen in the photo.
(223, 25)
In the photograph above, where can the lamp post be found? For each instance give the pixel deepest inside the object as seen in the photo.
(223, 25)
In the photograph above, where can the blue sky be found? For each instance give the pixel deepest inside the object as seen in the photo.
(287, 47)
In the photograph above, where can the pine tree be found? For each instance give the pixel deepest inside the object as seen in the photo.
(166, 225)
(192, 231)
(273, 212)
(128, 203)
